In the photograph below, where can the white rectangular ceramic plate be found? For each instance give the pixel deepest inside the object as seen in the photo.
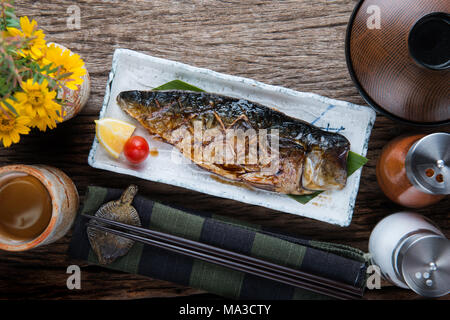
(136, 71)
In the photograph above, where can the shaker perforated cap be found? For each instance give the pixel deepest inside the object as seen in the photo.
(425, 265)
(428, 164)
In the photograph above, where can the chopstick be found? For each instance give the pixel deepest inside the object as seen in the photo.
(229, 254)
(231, 259)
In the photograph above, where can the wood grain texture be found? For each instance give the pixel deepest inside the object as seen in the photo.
(295, 44)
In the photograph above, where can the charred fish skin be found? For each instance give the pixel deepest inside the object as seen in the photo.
(310, 159)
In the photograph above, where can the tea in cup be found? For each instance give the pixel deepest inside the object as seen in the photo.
(38, 205)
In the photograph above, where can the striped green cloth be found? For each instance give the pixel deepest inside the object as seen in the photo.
(336, 262)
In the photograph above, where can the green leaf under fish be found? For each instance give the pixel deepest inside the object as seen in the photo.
(178, 85)
(354, 160)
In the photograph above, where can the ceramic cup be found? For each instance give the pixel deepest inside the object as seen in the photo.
(76, 99)
(65, 202)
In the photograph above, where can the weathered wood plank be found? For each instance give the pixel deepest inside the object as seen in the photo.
(296, 44)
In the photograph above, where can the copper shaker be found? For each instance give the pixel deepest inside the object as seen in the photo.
(414, 170)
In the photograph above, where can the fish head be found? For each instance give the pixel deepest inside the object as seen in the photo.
(137, 103)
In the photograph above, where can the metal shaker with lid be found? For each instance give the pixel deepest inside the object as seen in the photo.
(414, 170)
(412, 253)
(428, 164)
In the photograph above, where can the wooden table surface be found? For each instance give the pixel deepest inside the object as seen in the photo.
(295, 44)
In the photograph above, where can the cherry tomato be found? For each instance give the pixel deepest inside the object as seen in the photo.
(136, 149)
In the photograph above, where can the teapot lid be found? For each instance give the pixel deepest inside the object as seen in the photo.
(399, 59)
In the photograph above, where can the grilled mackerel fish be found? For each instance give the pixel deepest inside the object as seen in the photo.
(309, 159)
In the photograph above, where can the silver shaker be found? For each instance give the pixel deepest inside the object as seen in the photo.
(412, 253)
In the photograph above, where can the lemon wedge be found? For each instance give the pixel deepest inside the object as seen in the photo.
(113, 134)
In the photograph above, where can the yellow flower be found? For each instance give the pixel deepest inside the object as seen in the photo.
(45, 122)
(30, 31)
(11, 127)
(37, 102)
(71, 66)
